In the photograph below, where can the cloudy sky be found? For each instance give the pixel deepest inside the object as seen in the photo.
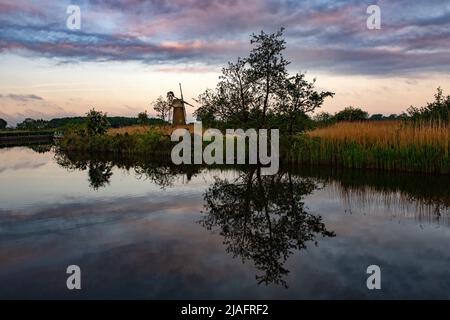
(129, 52)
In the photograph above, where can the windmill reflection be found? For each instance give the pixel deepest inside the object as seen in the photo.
(263, 219)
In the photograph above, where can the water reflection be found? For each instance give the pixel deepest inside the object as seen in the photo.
(41, 148)
(157, 170)
(167, 231)
(424, 198)
(263, 219)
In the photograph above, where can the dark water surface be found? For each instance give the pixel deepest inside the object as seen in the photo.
(141, 229)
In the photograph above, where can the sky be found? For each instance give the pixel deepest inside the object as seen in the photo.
(127, 53)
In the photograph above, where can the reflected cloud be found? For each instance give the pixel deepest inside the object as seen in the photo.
(16, 159)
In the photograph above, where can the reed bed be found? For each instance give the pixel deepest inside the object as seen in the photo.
(389, 145)
(144, 129)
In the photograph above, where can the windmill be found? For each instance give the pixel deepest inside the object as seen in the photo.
(178, 108)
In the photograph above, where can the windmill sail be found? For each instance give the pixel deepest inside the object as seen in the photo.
(182, 100)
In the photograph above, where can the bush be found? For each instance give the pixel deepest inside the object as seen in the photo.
(437, 112)
(96, 123)
(351, 114)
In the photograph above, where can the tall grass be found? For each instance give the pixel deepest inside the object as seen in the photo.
(138, 140)
(143, 129)
(389, 145)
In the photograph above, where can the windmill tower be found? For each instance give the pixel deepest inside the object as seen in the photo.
(178, 108)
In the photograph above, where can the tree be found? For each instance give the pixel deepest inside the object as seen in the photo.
(162, 108)
(376, 117)
(323, 119)
(3, 124)
(143, 117)
(233, 100)
(392, 116)
(298, 97)
(257, 91)
(96, 122)
(351, 114)
(437, 111)
(267, 67)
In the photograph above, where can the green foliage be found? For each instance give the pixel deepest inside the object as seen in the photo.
(257, 90)
(31, 124)
(381, 117)
(115, 122)
(152, 142)
(3, 124)
(351, 114)
(303, 149)
(299, 97)
(96, 123)
(162, 108)
(437, 111)
(142, 118)
(323, 119)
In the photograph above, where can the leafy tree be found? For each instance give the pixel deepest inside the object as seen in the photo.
(298, 98)
(267, 67)
(209, 112)
(392, 116)
(3, 124)
(323, 119)
(257, 91)
(351, 114)
(233, 100)
(162, 108)
(143, 117)
(376, 117)
(96, 122)
(437, 111)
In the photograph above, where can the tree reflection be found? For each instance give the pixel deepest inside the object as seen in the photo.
(100, 168)
(100, 173)
(263, 219)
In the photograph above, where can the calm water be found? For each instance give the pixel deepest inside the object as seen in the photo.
(146, 229)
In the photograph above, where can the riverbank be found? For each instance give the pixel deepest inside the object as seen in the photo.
(389, 146)
(17, 137)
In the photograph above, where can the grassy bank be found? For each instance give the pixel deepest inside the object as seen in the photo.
(390, 145)
(130, 140)
(387, 145)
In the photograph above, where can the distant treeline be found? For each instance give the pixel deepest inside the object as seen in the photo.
(115, 122)
(353, 114)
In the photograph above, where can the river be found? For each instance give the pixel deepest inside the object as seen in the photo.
(151, 230)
